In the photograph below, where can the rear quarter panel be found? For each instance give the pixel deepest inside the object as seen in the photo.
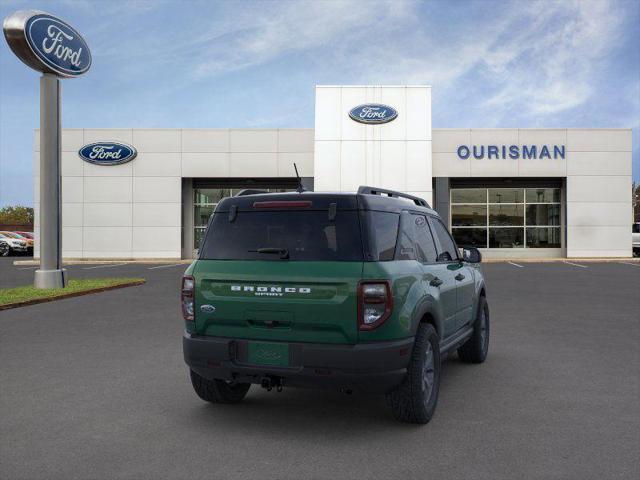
(408, 298)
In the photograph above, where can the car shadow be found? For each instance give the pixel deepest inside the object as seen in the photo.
(301, 413)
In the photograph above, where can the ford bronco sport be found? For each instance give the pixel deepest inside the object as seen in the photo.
(362, 291)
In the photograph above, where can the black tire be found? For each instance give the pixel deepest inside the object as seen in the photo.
(476, 348)
(4, 250)
(218, 391)
(414, 401)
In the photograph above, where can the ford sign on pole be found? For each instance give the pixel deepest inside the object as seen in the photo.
(107, 153)
(53, 47)
(373, 113)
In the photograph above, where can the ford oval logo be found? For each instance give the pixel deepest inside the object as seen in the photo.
(373, 113)
(107, 153)
(57, 45)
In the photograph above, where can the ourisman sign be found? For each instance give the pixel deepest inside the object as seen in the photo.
(513, 152)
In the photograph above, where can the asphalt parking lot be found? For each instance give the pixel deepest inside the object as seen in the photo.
(95, 387)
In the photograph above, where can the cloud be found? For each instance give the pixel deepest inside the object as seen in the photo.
(549, 66)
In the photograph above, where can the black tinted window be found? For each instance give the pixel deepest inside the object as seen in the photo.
(424, 241)
(383, 233)
(406, 249)
(447, 247)
(305, 235)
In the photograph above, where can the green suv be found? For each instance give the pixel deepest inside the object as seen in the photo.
(363, 291)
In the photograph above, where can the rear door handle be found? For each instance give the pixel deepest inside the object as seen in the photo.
(436, 282)
(459, 277)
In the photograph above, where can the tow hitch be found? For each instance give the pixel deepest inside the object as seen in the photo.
(270, 382)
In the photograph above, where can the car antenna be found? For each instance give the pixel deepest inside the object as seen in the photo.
(300, 188)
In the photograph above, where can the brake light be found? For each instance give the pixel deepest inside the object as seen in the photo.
(375, 303)
(284, 204)
(187, 300)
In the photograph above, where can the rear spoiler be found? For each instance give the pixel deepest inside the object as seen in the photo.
(365, 190)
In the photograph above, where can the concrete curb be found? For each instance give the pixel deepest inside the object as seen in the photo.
(35, 301)
(88, 261)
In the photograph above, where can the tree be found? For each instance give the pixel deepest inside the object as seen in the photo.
(16, 215)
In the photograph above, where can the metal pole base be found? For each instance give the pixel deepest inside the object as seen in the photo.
(50, 278)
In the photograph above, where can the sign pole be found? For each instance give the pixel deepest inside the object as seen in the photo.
(51, 46)
(51, 274)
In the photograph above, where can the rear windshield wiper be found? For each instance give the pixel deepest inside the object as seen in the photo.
(283, 252)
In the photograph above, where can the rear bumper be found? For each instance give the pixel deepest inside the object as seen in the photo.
(370, 367)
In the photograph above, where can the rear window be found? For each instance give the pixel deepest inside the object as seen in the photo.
(304, 235)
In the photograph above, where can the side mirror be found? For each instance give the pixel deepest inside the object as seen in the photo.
(471, 255)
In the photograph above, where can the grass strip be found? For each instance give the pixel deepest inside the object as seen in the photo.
(29, 295)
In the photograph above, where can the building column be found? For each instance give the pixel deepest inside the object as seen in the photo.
(187, 218)
(441, 198)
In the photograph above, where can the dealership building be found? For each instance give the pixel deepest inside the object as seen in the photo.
(513, 192)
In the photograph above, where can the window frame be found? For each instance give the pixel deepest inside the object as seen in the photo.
(439, 247)
(525, 226)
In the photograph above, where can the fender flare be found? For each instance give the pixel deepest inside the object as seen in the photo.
(427, 307)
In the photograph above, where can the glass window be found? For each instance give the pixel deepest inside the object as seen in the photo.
(543, 195)
(635, 228)
(506, 215)
(201, 214)
(448, 250)
(470, 237)
(506, 195)
(468, 215)
(424, 240)
(305, 235)
(506, 237)
(469, 195)
(198, 235)
(406, 245)
(489, 224)
(384, 233)
(541, 214)
(205, 201)
(545, 237)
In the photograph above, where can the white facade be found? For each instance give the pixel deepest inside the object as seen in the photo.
(143, 209)
(394, 155)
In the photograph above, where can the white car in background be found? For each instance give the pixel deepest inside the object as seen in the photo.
(13, 244)
(635, 238)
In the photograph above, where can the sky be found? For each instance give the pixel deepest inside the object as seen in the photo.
(224, 64)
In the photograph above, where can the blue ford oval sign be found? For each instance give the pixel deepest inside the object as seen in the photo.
(47, 43)
(373, 113)
(107, 153)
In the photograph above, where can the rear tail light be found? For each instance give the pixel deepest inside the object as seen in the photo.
(375, 304)
(188, 287)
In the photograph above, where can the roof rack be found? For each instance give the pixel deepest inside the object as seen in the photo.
(250, 191)
(363, 189)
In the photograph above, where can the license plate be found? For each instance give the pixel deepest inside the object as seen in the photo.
(274, 354)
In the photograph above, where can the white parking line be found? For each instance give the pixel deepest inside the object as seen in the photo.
(575, 264)
(632, 264)
(516, 265)
(166, 266)
(27, 268)
(105, 266)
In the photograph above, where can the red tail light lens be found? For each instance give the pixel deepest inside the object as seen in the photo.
(187, 300)
(375, 303)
